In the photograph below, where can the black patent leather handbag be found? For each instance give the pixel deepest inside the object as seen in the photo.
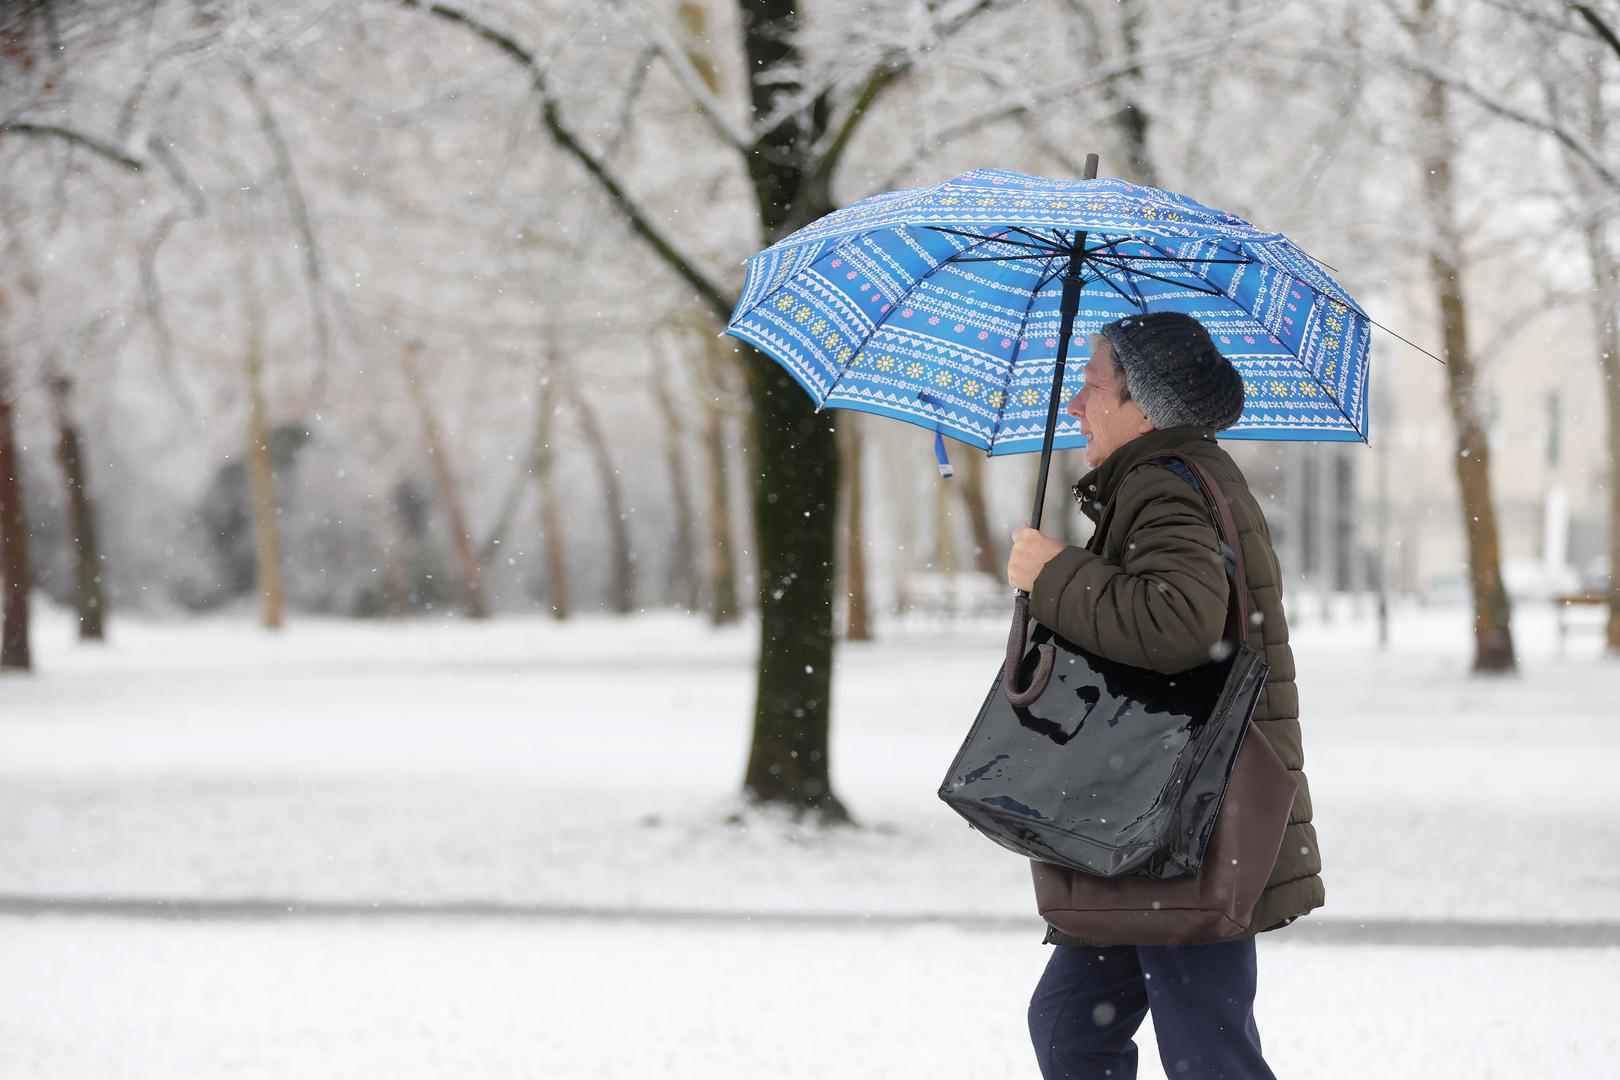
(1104, 768)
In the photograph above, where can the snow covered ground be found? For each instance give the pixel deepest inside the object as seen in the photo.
(579, 999)
(562, 774)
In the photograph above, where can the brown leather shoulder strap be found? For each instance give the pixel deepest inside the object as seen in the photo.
(1237, 609)
(1226, 523)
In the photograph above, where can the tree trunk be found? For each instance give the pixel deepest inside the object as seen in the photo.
(472, 587)
(901, 498)
(1325, 504)
(796, 486)
(856, 627)
(397, 568)
(943, 556)
(795, 502)
(683, 580)
(552, 542)
(722, 560)
(1493, 635)
(262, 477)
(987, 557)
(88, 597)
(622, 598)
(1296, 553)
(14, 647)
(1605, 300)
(791, 157)
(1132, 118)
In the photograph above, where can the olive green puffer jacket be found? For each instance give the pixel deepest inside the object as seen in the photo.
(1152, 593)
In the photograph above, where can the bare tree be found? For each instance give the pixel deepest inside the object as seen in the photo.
(1493, 635)
(554, 554)
(1604, 260)
(791, 149)
(261, 469)
(89, 596)
(987, 556)
(682, 581)
(856, 625)
(15, 654)
(622, 589)
(721, 564)
(15, 573)
(1581, 101)
(450, 494)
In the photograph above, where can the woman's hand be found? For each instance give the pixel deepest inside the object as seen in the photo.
(1031, 550)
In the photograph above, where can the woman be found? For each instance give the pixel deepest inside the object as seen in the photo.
(1153, 593)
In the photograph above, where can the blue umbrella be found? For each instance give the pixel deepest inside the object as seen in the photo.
(952, 307)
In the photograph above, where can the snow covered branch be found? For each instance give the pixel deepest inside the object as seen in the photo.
(564, 137)
(77, 138)
(1601, 28)
(314, 275)
(669, 50)
(1505, 109)
(1485, 99)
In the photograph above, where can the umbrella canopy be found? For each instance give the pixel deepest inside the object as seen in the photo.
(943, 307)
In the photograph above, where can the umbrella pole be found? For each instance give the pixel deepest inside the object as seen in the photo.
(1070, 307)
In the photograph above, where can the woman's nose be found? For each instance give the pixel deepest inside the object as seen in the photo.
(1077, 408)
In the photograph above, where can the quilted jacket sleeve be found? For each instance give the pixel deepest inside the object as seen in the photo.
(1163, 605)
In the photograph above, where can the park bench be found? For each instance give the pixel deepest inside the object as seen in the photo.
(1568, 602)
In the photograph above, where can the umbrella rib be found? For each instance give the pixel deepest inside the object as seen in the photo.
(1110, 244)
(1056, 247)
(1351, 302)
(1047, 280)
(1140, 301)
(1172, 258)
(1165, 256)
(1006, 258)
(997, 239)
(1194, 269)
(1179, 284)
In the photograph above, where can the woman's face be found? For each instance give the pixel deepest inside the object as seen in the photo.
(1106, 422)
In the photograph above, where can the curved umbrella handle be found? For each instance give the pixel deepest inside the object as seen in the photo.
(1015, 655)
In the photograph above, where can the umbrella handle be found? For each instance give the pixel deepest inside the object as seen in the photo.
(1015, 654)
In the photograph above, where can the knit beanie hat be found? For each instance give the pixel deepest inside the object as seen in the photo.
(1176, 374)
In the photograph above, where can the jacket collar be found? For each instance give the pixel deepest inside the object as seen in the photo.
(1093, 490)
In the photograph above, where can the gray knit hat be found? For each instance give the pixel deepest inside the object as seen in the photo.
(1176, 374)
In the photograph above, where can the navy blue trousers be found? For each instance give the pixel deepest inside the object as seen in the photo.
(1090, 1002)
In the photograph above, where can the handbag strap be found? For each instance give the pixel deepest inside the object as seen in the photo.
(1237, 608)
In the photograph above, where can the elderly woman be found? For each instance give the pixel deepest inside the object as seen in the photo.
(1149, 594)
